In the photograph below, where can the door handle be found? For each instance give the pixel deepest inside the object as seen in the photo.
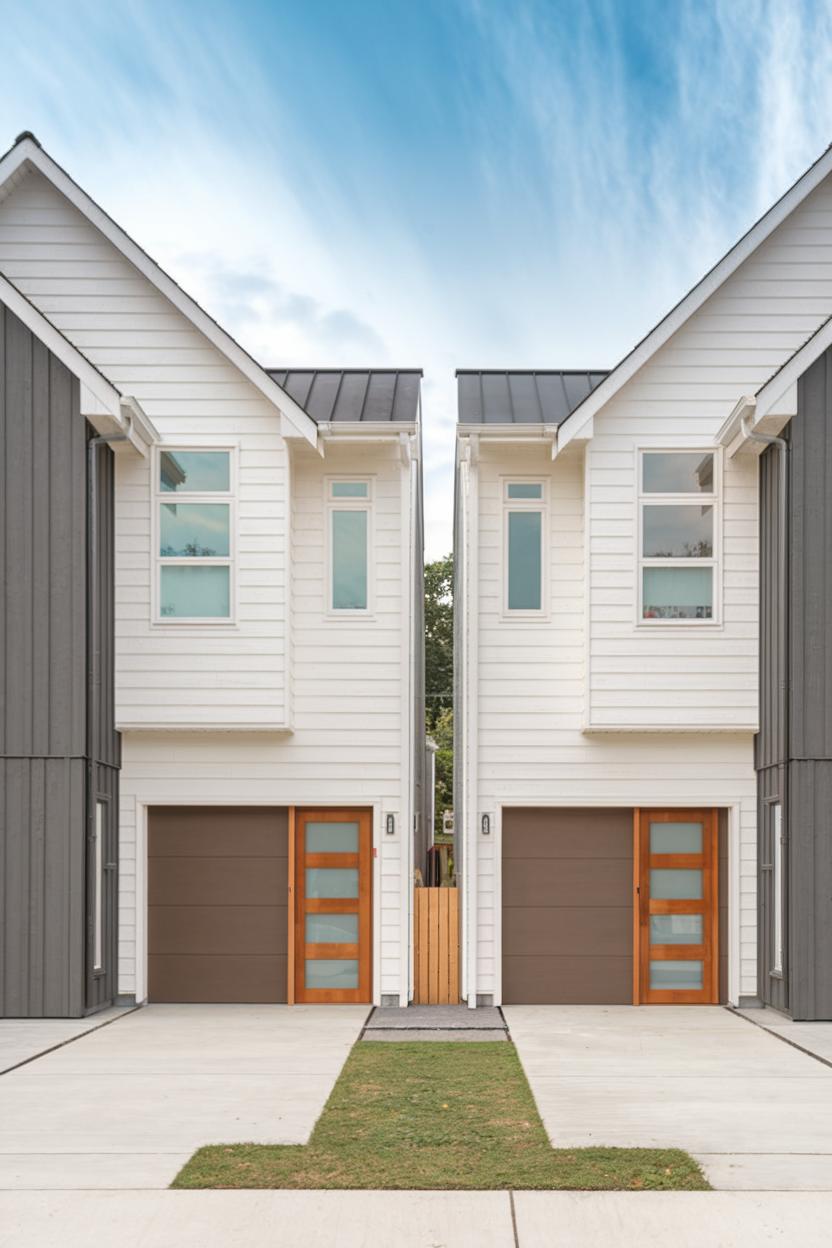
(110, 866)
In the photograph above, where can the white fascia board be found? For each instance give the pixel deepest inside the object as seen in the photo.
(775, 403)
(691, 303)
(28, 151)
(574, 434)
(100, 400)
(141, 431)
(731, 429)
(779, 393)
(105, 407)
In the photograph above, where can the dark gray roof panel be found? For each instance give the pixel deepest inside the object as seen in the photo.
(489, 397)
(353, 394)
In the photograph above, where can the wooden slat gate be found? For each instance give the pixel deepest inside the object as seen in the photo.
(436, 946)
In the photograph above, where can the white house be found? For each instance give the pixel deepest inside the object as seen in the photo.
(606, 539)
(268, 642)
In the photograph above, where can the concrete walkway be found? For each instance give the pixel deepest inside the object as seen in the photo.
(21, 1039)
(814, 1038)
(435, 1022)
(413, 1220)
(126, 1105)
(754, 1111)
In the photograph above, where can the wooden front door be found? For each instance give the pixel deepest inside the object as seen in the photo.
(333, 894)
(677, 888)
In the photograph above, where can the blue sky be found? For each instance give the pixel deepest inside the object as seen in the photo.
(444, 183)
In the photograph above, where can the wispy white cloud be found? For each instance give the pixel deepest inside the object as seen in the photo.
(585, 164)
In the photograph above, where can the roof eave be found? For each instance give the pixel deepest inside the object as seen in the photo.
(28, 151)
(102, 404)
(694, 299)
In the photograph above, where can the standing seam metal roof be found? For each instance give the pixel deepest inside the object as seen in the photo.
(547, 397)
(353, 394)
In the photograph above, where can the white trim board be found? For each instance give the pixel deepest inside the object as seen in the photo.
(27, 153)
(102, 404)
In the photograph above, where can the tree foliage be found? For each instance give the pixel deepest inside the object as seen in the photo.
(439, 676)
(439, 638)
(443, 735)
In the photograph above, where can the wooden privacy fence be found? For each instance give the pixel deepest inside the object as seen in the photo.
(436, 946)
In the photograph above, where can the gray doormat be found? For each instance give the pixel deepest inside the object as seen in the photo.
(436, 1018)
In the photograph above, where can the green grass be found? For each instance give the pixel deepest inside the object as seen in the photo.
(439, 1115)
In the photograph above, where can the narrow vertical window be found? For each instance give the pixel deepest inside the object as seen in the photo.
(349, 545)
(523, 507)
(678, 536)
(194, 527)
(777, 887)
(98, 888)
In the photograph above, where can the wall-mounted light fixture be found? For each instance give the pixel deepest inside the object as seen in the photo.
(486, 825)
(391, 825)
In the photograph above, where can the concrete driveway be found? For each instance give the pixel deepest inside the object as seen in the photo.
(125, 1106)
(755, 1112)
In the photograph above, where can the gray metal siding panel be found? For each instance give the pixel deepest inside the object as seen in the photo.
(810, 890)
(810, 437)
(42, 929)
(43, 665)
(107, 743)
(795, 767)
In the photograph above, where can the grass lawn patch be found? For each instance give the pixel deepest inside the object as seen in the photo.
(442, 1115)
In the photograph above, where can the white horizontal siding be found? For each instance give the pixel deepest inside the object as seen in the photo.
(729, 347)
(346, 708)
(541, 683)
(532, 747)
(166, 675)
(345, 747)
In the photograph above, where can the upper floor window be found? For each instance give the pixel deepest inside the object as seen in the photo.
(193, 518)
(678, 506)
(348, 507)
(523, 507)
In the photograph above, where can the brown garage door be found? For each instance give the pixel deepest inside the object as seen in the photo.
(217, 903)
(568, 907)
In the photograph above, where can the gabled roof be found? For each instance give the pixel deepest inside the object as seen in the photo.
(27, 153)
(504, 397)
(102, 403)
(342, 395)
(693, 300)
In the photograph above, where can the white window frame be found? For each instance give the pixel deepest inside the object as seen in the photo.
(331, 505)
(680, 500)
(777, 892)
(525, 504)
(159, 496)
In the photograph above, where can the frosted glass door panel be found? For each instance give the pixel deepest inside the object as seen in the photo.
(673, 884)
(331, 882)
(675, 929)
(332, 929)
(332, 838)
(683, 976)
(331, 973)
(675, 838)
